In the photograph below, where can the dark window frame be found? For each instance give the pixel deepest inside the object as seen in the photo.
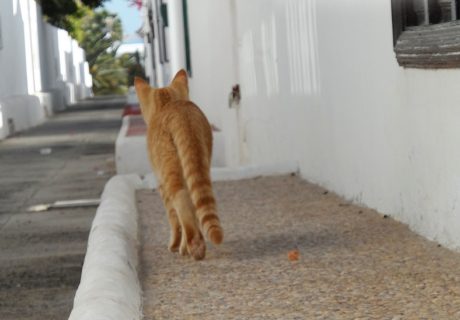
(162, 23)
(188, 54)
(426, 40)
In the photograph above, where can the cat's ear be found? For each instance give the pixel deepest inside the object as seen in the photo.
(140, 84)
(142, 89)
(181, 78)
(180, 82)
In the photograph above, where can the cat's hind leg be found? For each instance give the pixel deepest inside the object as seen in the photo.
(175, 235)
(192, 241)
(176, 231)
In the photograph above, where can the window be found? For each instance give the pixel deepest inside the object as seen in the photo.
(162, 9)
(188, 62)
(426, 33)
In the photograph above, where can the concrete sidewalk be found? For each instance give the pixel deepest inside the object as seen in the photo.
(354, 263)
(69, 157)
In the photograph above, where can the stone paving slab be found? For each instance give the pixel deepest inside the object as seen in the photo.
(353, 262)
(41, 253)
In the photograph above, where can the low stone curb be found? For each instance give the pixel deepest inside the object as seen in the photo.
(109, 287)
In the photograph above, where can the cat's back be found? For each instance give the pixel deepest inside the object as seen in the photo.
(182, 108)
(185, 114)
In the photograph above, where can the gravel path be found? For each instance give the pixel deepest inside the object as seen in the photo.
(353, 262)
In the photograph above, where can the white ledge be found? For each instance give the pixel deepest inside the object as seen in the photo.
(109, 287)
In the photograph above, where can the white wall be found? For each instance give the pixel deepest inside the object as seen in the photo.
(358, 123)
(176, 42)
(320, 85)
(13, 54)
(41, 68)
(20, 76)
(213, 56)
(161, 75)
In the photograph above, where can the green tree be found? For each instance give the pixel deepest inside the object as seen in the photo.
(99, 33)
(61, 12)
(109, 75)
(102, 33)
(101, 37)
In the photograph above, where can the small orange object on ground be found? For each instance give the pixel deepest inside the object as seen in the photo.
(293, 255)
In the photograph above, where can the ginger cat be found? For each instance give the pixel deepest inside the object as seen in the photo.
(179, 140)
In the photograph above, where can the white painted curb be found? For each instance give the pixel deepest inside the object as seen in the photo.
(109, 287)
(131, 151)
(238, 173)
(247, 172)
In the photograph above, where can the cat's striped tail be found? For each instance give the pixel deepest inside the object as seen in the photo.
(195, 158)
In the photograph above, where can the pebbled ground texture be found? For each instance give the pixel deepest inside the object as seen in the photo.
(351, 262)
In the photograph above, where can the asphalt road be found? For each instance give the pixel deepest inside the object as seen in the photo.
(69, 157)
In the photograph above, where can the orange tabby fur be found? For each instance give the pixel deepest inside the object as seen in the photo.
(179, 139)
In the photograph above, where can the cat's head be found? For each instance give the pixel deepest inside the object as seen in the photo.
(151, 99)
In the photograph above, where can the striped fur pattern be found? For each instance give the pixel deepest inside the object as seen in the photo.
(179, 139)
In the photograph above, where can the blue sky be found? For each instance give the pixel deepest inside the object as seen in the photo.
(130, 18)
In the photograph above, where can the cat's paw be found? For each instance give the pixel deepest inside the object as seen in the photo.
(174, 242)
(197, 247)
(183, 250)
(173, 247)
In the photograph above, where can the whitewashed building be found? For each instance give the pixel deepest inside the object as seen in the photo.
(363, 95)
(42, 69)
